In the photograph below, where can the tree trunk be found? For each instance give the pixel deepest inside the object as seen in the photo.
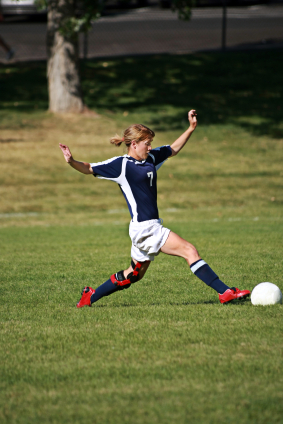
(65, 94)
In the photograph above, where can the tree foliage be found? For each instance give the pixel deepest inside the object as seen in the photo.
(90, 10)
(183, 7)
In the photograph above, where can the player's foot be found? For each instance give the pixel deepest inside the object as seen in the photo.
(85, 299)
(233, 294)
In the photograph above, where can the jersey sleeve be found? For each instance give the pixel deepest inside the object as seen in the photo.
(109, 169)
(160, 155)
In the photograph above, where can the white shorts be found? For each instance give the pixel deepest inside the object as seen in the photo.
(147, 239)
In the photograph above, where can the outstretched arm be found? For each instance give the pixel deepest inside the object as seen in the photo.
(83, 167)
(182, 140)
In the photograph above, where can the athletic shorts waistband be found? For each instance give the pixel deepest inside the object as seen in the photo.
(148, 222)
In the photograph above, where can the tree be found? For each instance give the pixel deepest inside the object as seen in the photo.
(64, 86)
(66, 18)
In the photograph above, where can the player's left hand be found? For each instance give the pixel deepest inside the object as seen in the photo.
(192, 118)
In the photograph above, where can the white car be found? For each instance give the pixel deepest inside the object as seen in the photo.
(20, 7)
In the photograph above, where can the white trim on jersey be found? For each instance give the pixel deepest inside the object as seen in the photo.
(125, 187)
(105, 162)
(136, 162)
(153, 158)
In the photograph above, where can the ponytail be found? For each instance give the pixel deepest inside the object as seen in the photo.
(117, 140)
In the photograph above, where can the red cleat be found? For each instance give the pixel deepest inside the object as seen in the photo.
(85, 299)
(233, 294)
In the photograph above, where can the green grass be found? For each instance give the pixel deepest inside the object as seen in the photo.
(164, 351)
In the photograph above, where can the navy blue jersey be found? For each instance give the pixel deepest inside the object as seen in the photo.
(137, 180)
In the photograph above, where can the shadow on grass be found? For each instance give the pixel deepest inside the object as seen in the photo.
(11, 140)
(23, 87)
(205, 302)
(236, 87)
(243, 88)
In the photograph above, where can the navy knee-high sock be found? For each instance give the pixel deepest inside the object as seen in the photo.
(105, 289)
(205, 274)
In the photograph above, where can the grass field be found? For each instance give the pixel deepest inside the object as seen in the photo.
(164, 351)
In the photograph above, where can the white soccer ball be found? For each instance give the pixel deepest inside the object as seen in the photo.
(266, 294)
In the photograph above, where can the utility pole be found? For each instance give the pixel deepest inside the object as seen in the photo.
(224, 22)
(85, 45)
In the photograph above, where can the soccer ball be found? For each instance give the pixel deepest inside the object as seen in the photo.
(266, 294)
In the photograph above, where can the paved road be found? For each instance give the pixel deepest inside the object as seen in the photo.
(151, 30)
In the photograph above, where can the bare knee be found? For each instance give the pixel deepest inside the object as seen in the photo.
(177, 246)
(190, 253)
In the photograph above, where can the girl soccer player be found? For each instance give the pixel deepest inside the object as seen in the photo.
(136, 175)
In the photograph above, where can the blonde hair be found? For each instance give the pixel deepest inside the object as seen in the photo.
(137, 132)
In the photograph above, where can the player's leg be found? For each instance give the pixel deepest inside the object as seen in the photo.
(119, 281)
(177, 246)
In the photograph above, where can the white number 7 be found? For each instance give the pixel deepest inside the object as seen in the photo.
(150, 175)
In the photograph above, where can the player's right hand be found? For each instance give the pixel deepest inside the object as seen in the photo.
(66, 152)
